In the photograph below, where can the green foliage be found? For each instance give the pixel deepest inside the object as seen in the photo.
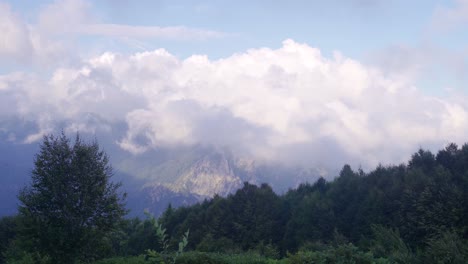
(123, 260)
(152, 256)
(420, 201)
(71, 204)
(164, 256)
(199, 258)
(8, 226)
(388, 243)
(343, 254)
(447, 248)
(217, 258)
(267, 250)
(222, 244)
(137, 236)
(160, 232)
(183, 243)
(196, 257)
(415, 213)
(29, 258)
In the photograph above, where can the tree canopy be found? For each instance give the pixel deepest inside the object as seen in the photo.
(408, 213)
(423, 201)
(71, 203)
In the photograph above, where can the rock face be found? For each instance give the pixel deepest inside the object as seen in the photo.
(191, 177)
(201, 178)
(156, 198)
(152, 180)
(212, 174)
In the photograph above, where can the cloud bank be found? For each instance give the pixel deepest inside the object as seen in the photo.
(290, 104)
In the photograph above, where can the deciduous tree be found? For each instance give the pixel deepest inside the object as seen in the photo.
(71, 203)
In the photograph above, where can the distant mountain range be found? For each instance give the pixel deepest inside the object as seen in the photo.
(179, 176)
(193, 174)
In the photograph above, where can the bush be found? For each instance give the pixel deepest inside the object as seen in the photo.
(123, 260)
(222, 245)
(195, 257)
(388, 243)
(27, 258)
(342, 254)
(447, 248)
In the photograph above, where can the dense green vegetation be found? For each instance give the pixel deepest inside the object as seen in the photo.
(422, 201)
(70, 205)
(410, 213)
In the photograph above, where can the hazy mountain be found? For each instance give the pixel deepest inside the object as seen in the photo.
(180, 176)
(186, 176)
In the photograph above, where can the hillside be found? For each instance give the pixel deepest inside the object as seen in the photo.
(408, 213)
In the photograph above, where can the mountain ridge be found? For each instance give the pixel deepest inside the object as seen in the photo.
(179, 176)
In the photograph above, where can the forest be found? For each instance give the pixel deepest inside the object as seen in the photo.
(408, 213)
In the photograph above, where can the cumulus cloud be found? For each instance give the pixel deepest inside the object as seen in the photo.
(291, 104)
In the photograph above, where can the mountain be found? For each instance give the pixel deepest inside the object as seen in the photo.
(184, 177)
(179, 176)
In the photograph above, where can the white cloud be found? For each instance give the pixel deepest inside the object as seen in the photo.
(64, 16)
(448, 18)
(76, 17)
(54, 39)
(291, 104)
(24, 44)
(143, 32)
(14, 38)
(433, 65)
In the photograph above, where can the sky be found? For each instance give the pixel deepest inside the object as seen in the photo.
(301, 82)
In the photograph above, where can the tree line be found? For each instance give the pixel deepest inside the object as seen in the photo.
(409, 213)
(421, 202)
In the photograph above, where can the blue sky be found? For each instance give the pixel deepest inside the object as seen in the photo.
(361, 29)
(286, 77)
(354, 27)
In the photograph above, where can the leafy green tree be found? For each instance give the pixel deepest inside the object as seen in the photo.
(71, 204)
(388, 243)
(447, 248)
